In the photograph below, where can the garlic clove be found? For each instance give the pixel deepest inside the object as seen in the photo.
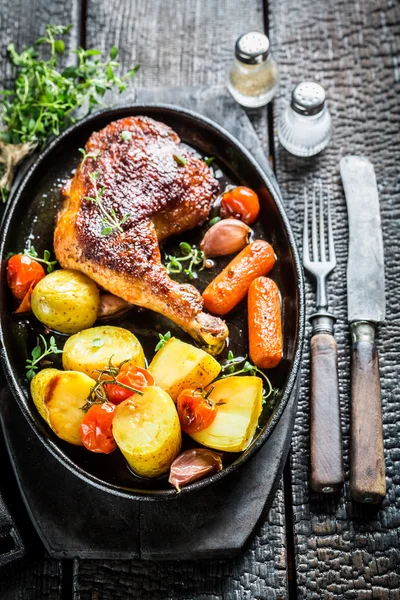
(192, 465)
(225, 237)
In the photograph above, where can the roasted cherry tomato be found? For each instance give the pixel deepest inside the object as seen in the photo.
(242, 203)
(135, 377)
(96, 428)
(23, 273)
(195, 409)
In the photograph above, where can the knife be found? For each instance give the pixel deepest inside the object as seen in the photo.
(366, 308)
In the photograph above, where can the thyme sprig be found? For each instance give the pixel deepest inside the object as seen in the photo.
(107, 376)
(46, 97)
(32, 364)
(190, 254)
(87, 155)
(50, 264)
(201, 392)
(109, 220)
(230, 365)
(163, 340)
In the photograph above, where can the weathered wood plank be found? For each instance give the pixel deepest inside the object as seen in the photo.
(180, 44)
(37, 580)
(22, 23)
(259, 574)
(352, 48)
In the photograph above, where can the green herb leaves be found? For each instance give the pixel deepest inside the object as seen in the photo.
(46, 97)
(163, 340)
(87, 155)
(106, 376)
(126, 135)
(229, 369)
(109, 220)
(180, 160)
(50, 264)
(212, 222)
(97, 343)
(191, 255)
(32, 364)
(209, 160)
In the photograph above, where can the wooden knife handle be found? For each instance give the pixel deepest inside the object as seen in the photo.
(367, 468)
(326, 462)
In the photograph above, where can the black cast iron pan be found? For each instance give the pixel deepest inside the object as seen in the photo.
(30, 216)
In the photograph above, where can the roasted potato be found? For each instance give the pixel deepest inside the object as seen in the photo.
(237, 416)
(92, 349)
(66, 301)
(59, 396)
(147, 431)
(178, 365)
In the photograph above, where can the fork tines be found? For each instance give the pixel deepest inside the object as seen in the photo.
(319, 256)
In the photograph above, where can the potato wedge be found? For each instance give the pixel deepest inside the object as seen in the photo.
(178, 365)
(66, 301)
(59, 396)
(38, 389)
(235, 424)
(147, 431)
(92, 349)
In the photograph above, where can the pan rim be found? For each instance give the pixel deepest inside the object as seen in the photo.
(294, 371)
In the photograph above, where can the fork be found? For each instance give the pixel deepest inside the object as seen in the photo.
(326, 462)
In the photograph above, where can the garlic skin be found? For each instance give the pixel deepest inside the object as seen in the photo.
(225, 237)
(112, 306)
(194, 464)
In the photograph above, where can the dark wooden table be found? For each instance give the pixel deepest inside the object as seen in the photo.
(308, 546)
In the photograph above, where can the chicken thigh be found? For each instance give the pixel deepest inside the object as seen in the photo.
(136, 171)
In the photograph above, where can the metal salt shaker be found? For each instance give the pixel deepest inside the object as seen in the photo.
(305, 126)
(253, 77)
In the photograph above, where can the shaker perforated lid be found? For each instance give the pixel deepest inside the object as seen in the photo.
(308, 98)
(252, 48)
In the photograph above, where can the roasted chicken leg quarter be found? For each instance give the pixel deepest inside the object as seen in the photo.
(133, 172)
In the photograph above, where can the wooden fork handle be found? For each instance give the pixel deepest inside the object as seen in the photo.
(367, 461)
(326, 462)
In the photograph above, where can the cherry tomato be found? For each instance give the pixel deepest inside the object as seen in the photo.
(96, 428)
(241, 203)
(196, 411)
(23, 273)
(135, 377)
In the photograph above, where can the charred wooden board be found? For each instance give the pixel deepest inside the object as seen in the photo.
(344, 550)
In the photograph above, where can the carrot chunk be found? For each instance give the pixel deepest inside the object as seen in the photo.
(232, 284)
(265, 326)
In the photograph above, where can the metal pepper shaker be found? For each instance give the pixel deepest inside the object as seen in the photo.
(253, 76)
(305, 126)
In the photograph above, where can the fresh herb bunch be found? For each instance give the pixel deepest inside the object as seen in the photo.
(32, 364)
(50, 264)
(109, 218)
(230, 365)
(163, 340)
(190, 254)
(107, 376)
(46, 97)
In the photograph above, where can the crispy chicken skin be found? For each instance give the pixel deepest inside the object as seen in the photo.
(141, 178)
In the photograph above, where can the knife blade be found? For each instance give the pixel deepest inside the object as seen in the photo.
(366, 308)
